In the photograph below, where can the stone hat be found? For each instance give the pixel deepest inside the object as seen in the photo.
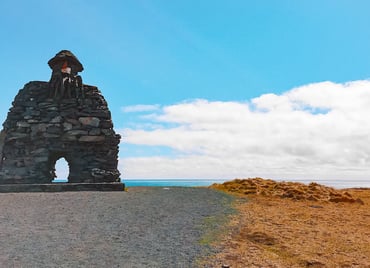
(66, 55)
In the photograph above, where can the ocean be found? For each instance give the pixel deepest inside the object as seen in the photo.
(171, 182)
(339, 184)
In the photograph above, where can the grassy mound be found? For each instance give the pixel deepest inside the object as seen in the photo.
(292, 190)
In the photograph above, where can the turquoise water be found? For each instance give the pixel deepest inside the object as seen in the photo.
(164, 182)
(339, 184)
(170, 183)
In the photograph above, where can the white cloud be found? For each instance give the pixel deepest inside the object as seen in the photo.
(140, 108)
(314, 131)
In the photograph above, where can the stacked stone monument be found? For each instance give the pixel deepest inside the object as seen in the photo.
(61, 118)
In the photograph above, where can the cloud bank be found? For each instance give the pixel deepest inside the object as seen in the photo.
(316, 131)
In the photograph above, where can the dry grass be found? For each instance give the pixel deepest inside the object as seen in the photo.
(272, 230)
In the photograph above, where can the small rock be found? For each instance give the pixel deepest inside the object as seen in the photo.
(67, 126)
(94, 132)
(22, 124)
(91, 138)
(77, 132)
(57, 119)
(89, 121)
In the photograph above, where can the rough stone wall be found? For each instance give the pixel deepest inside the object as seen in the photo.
(39, 130)
(2, 138)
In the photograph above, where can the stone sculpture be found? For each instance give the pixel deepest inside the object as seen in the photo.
(64, 79)
(59, 119)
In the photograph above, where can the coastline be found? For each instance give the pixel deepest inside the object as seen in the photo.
(271, 231)
(170, 182)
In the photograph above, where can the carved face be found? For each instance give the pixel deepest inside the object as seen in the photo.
(66, 68)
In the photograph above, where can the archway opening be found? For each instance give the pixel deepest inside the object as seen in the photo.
(61, 170)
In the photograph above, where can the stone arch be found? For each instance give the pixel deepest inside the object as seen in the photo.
(54, 157)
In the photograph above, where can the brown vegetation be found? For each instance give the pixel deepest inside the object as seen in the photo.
(284, 224)
(292, 190)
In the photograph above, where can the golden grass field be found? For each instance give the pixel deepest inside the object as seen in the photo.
(295, 225)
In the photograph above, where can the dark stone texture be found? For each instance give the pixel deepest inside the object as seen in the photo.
(39, 130)
(61, 187)
(42, 137)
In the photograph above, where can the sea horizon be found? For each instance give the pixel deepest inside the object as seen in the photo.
(199, 182)
(339, 184)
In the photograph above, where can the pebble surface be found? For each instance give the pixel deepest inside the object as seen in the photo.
(144, 227)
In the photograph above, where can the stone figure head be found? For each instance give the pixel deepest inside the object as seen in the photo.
(65, 58)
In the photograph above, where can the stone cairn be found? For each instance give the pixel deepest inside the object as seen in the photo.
(61, 118)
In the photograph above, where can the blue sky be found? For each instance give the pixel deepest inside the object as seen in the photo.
(150, 58)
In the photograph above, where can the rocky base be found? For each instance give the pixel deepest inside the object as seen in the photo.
(61, 187)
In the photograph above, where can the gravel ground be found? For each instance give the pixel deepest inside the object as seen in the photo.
(144, 227)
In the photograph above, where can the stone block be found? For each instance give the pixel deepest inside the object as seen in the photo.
(94, 132)
(23, 124)
(57, 119)
(89, 121)
(77, 132)
(67, 126)
(91, 138)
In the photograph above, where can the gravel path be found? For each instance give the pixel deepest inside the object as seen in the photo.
(144, 227)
